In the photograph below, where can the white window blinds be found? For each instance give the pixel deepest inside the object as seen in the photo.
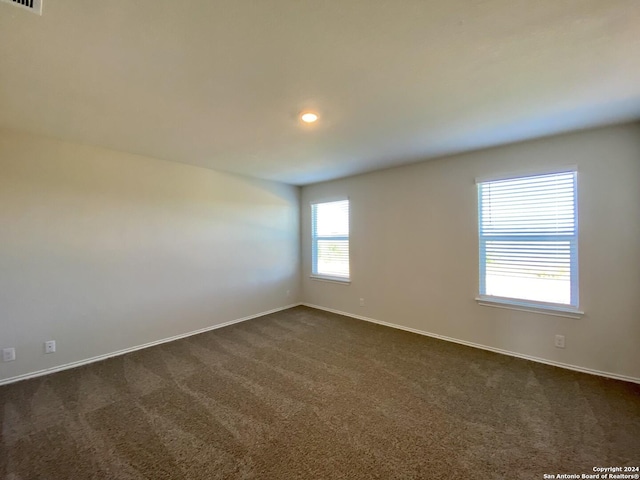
(529, 238)
(330, 239)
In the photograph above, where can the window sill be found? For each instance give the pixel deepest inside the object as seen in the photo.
(323, 278)
(524, 306)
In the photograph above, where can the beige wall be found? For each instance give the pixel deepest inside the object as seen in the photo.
(102, 251)
(414, 250)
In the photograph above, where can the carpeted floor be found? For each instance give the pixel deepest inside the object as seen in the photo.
(305, 394)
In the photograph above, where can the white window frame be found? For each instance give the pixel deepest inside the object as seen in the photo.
(565, 310)
(314, 244)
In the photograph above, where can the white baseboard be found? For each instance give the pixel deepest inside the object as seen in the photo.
(482, 347)
(86, 361)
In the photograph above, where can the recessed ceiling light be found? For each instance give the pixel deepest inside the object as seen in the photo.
(309, 117)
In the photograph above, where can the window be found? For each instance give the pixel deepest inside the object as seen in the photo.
(330, 240)
(529, 240)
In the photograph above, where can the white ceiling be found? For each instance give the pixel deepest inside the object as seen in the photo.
(219, 83)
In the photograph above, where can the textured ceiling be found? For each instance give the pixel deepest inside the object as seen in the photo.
(219, 83)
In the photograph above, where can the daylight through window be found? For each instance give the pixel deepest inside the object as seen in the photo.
(529, 238)
(330, 239)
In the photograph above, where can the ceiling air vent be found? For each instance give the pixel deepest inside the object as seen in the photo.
(34, 6)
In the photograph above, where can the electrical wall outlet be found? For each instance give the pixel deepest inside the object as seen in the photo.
(362, 302)
(50, 346)
(560, 341)
(8, 354)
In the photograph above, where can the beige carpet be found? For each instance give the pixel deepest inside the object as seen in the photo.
(304, 394)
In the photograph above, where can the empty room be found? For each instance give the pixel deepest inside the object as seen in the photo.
(295, 239)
